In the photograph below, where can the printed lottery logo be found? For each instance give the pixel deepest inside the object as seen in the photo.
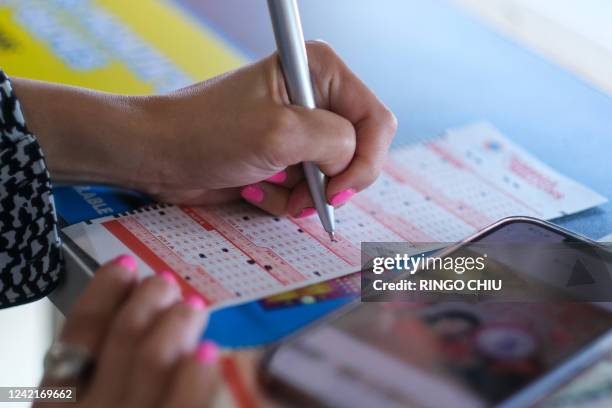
(493, 145)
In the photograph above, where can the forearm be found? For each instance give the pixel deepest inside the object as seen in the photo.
(88, 136)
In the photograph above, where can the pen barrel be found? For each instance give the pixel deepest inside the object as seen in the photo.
(315, 179)
(292, 51)
(294, 63)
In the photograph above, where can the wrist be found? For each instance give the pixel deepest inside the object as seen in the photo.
(86, 136)
(155, 134)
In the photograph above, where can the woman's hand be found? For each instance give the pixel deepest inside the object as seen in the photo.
(239, 130)
(234, 135)
(145, 342)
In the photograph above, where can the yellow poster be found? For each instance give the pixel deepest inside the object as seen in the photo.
(122, 46)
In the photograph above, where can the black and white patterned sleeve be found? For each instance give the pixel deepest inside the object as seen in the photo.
(29, 242)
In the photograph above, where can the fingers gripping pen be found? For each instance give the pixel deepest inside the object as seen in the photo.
(294, 62)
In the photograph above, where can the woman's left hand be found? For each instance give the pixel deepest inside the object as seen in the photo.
(144, 342)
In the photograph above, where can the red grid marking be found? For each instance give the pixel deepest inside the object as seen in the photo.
(281, 270)
(127, 231)
(343, 248)
(532, 176)
(448, 155)
(397, 224)
(469, 214)
(196, 217)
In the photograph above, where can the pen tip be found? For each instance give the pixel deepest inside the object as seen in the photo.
(332, 237)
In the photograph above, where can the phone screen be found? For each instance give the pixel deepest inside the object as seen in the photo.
(456, 354)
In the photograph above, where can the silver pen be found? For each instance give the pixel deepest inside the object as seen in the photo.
(294, 62)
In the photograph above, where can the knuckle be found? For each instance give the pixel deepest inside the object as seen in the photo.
(155, 354)
(129, 324)
(281, 124)
(370, 172)
(154, 287)
(390, 120)
(126, 329)
(346, 137)
(151, 357)
(274, 141)
(320, 47)
(370, 177)
(182, 313)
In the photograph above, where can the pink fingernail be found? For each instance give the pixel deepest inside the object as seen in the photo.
(342, 197)
(168, 277)
(278, 177)
(306, 212)
(195, 301)
(126, 261)
(207, 352)
(253, 194)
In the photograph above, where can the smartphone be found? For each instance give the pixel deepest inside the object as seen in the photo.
(445, 354)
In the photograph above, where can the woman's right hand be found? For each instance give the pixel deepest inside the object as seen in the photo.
(145, 341)
(230, 136)
(239, 134)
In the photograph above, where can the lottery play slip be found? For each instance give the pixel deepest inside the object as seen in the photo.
(441, 190)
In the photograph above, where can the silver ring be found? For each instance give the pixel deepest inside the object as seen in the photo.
(66, 362)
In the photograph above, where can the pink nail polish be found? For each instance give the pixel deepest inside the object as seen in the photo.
(207, 352)
(278, 177)
(168, 277)
(342, 197)
(195, 301)
(253, 194)
(306, 212)
(126, 261)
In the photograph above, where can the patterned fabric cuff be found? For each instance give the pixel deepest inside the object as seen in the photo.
(29, 240)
